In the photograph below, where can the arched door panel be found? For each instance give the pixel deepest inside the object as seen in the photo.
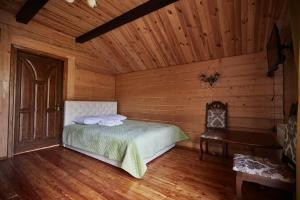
(38, 101)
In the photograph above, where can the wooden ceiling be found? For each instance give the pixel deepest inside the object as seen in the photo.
(184, 32)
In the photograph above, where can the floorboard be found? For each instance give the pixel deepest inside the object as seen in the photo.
(59, 173)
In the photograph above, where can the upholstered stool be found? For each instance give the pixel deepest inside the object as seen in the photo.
(262, 171)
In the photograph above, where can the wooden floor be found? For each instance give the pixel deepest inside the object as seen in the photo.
(59, 173)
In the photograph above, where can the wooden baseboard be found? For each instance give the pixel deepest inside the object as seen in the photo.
(48, 147)
(186, 148)
(3, 158)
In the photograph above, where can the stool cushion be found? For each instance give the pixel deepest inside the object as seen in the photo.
(214, 134)
(262, 167)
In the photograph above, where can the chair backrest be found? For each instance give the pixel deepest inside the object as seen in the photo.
(216, 115)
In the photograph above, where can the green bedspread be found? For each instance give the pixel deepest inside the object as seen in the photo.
(129, 144)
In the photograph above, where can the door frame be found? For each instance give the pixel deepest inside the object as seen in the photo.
(12, 89)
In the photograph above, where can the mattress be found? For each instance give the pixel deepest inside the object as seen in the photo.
(129, 145)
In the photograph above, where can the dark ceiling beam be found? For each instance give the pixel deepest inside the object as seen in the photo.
(29, 10)
(137, 12)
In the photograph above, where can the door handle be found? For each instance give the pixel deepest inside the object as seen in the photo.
(57, 108)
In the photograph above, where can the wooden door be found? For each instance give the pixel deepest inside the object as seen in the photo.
(39, 101)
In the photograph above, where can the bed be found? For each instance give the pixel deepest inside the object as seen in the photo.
(129, 146)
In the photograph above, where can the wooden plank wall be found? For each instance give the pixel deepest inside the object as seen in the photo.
(290, 83)
(94, 86)
(86, 78)
(4, 90)
(290, 75)
(176, 94)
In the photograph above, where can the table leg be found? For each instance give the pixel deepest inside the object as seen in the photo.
(201, 149)
(226, 149)
(239, 185)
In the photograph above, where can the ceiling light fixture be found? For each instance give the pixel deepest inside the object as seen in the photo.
(91, 3)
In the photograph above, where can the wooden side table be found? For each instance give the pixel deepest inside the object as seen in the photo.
(253, 140)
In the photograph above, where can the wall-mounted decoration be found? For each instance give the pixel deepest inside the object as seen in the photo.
(210, 79)
(91, 3)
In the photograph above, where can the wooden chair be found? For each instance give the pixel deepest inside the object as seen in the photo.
(215, 125)
(267, 172)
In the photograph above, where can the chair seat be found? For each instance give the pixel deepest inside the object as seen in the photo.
(262, 167)
(213, 134)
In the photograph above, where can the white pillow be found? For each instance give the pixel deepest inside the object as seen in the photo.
(110, 123)
(88, 120)
(114, 117)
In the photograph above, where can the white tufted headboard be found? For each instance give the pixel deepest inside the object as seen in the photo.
(86, 108)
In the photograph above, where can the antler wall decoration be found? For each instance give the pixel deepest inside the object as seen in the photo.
(91, 3)
(210, 79)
